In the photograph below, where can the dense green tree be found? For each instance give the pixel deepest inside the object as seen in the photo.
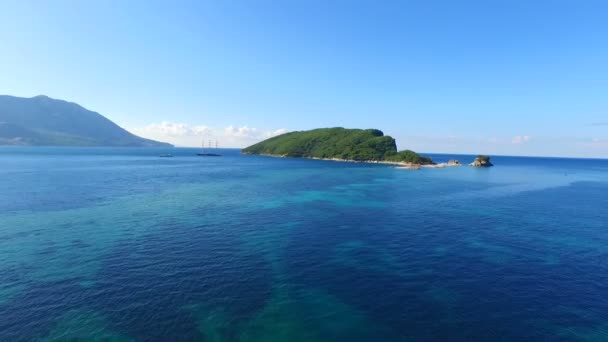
(338, 142)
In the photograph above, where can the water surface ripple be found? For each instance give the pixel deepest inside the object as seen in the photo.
(120, 245)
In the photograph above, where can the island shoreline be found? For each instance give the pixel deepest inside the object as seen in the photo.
(396, 165)
(354, 145)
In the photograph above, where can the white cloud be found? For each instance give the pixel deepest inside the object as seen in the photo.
(172, 129)
(244, 131)
(279, 131)
(181, 134)
(520, 139)
(598, 144)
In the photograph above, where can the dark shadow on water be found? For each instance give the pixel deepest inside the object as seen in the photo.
(31, 314)
(493, 279)
(146, 286)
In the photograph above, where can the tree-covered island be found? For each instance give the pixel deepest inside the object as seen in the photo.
(364, 145)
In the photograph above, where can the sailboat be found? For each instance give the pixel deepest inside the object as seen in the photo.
(202, 153)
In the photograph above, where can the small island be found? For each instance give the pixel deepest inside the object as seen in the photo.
(481, 161)
(348, 145)
(356, 145)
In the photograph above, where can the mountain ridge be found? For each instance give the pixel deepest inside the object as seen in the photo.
(45, 121)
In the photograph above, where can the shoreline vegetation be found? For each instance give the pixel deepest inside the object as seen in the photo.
(397, 165)
(348, 145)
(360, 145)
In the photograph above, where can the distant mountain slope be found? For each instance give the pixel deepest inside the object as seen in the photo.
(45, 121)
(337, 143)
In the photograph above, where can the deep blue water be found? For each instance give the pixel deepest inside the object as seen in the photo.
(118, 244)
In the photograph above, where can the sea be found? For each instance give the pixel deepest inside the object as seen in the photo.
(118, 244)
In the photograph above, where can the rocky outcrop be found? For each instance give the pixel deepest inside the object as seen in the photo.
(453, 162)
(482, 161)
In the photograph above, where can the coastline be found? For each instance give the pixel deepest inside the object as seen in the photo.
(396, 165)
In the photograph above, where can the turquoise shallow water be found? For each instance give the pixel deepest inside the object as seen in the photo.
(120, 245)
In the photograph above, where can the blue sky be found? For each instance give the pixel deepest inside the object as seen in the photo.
(499, 77)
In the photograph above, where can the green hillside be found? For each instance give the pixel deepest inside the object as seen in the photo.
(341, 143)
